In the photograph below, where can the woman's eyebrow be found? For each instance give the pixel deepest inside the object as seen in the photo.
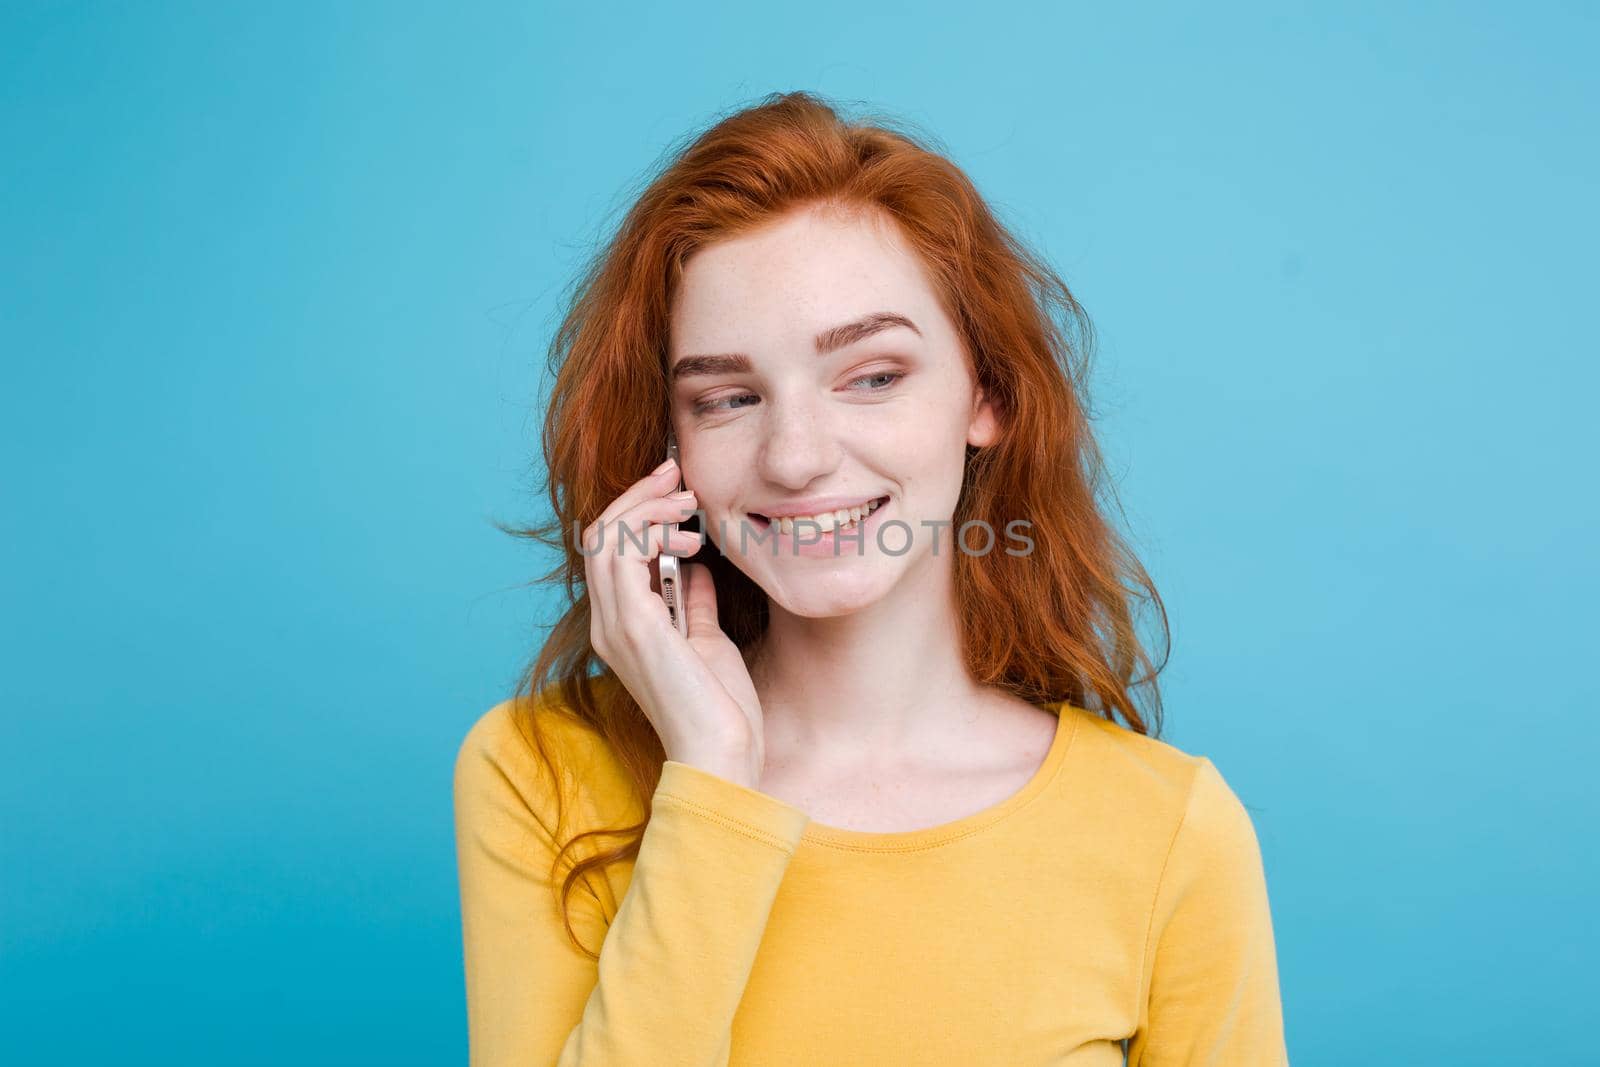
(837, 337)
(829, 340)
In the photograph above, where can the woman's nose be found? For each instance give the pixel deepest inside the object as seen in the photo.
(800, 446)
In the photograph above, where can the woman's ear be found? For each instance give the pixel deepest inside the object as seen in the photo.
(985, 425)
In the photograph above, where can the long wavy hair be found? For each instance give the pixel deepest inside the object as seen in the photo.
(1063, 625)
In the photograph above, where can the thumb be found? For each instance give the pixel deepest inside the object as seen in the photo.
(701, 600)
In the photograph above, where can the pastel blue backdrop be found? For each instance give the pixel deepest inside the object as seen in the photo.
(275, 286)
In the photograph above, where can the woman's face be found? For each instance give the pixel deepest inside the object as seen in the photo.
(782, 406)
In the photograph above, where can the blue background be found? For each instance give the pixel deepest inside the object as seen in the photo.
(275, 286)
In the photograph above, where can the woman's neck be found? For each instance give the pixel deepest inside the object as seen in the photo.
(890, 677)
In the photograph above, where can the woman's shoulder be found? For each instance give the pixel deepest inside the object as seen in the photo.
(1154, 778)
(498, 748)
(500, 733)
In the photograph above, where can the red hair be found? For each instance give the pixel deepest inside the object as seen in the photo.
(1062, 628)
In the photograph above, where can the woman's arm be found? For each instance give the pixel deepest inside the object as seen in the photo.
(676, 956)
(1211, 964)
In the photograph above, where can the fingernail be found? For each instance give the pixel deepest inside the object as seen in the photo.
(663, 468)
(683, 494)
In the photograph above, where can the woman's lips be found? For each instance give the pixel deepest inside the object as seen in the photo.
(833, 544)
(882, 501)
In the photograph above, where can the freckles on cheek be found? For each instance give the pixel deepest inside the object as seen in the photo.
(913, 439)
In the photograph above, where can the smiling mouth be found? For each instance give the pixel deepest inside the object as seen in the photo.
(877, 504)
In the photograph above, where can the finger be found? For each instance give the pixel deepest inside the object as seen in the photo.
(656, 509)
(679, 543)
(624, 539)
(637, 589)
(613, 571)
(651, 485)
(684, 543)
(607, 541)
(659, 541)
(604, 541)
(701, 600)
(627, 532)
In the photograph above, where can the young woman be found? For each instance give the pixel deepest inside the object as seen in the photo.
(874, 808)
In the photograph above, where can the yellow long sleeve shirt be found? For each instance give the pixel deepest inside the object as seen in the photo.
(1118, 897)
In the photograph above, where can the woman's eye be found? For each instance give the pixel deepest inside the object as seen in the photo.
(726, 403)
(716, 405)
(895, 376)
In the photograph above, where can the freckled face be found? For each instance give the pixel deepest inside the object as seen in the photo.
(886, 411)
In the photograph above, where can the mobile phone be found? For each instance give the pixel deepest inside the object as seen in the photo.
(670, 569)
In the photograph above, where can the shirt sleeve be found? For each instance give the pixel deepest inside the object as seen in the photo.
(676, 956)
(1211, 964)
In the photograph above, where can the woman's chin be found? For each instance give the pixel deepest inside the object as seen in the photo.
(826, 596)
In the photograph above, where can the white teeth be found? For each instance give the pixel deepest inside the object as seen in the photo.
(844, 518)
